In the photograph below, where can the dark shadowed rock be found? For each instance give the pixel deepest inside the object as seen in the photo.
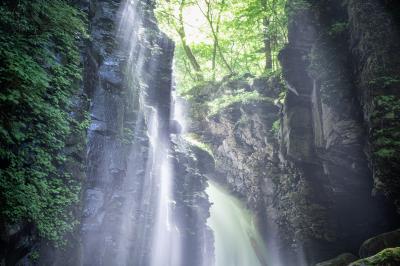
(341, 260)
(380, 242)
(191, 165)
(175, 127)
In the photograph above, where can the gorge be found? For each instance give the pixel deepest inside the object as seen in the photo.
(198, 133)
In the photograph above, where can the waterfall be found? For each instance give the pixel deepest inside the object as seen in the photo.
(237, 240)
(127, 202)
(129, 215)
(165, 240)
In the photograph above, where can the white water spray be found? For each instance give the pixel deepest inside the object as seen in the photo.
(237, 241)
(166, 239)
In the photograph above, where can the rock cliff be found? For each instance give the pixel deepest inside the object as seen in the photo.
(129, 80)
(191, 211)
(318, 168)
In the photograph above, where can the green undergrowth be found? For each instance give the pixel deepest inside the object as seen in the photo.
(209, 99)
(385, 140)
(276, 127)
(40, 71)
(240, 96)
(386, 135)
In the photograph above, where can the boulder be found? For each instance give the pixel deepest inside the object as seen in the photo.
(375, 244)
(387, 257)
(341, 260)
(175, 127)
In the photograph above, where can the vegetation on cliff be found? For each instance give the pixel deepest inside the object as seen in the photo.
(40, 71)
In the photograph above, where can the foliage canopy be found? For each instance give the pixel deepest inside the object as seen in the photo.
(217, 38)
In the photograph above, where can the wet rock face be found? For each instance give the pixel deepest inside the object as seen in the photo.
(323, 143)
(16, 243)
(241, 146)
(244, 146)
(377, 67)
(324, 138)
(118, 205)
(191, 209)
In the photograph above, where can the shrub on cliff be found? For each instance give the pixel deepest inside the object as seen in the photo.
(39, 73)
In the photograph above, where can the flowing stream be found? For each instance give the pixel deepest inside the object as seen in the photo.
(237, 240)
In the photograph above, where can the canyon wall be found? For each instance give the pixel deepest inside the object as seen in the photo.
(319, 168)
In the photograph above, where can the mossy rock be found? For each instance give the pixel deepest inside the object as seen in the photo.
(387, 257)
(380, 242)
(341, 260)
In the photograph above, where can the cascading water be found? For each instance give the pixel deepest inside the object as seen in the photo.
(237, 241)
(126, 219)
(165, 242)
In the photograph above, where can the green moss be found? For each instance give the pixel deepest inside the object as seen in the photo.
(39, 73)
(34, 256)
(281, 97)
(386, 131)
(387, 257)
(338, 28)
(385, 144)
(195, 140)
(385, 81)
(127, 136)
(276, 127)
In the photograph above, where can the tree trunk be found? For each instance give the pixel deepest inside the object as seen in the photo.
(186, 47)
(267, 40)
(215, 32)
